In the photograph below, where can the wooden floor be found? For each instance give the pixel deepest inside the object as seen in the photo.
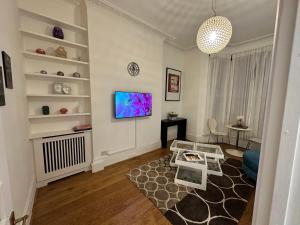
(106, 197)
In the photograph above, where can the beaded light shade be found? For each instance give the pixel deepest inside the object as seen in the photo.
(214, 34)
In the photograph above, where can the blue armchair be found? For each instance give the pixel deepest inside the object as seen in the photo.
(251, 163)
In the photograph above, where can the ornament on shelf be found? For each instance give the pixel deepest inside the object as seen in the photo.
(76, 74)
(61, 52)
(40, 51)
(66, 90)
(45, 110)
(57, 32)
(58, 88)
(60, 73)
(63, 110)
(43, 72)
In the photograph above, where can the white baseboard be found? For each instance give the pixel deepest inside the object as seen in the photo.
(99, 163)
(30, 200)
(112, 159)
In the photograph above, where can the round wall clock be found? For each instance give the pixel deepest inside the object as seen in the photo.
(133, 69)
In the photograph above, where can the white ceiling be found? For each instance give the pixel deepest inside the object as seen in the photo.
(181, 18)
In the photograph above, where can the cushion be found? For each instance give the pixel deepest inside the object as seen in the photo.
(251, 159)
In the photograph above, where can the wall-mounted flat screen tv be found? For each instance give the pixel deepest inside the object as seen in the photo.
(132, 104)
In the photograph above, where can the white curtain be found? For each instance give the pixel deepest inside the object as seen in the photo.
(238, 86)
(219, 89)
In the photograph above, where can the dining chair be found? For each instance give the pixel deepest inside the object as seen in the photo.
(212, 126)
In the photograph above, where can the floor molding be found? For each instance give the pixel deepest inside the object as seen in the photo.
(131, 153)
(98, 164)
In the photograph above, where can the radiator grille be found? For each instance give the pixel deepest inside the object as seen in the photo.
(64, 153)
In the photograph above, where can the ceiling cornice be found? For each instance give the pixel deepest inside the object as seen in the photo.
(136, 19)
(175, 44)
(251, 40)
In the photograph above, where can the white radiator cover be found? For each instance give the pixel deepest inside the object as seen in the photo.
(61, 156)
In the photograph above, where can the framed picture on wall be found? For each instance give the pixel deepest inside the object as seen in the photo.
(2, 95)
(7, 70)
(173, 84)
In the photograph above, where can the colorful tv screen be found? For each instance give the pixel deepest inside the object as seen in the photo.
(132, 104)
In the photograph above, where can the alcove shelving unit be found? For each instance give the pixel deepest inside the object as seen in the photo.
(36, 31)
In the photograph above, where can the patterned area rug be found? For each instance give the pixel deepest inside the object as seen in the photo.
(223, 203)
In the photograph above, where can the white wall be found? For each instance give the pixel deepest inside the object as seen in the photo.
(13, 129)
(173, 58)
(277, 195)
(194, 92)
(115, 40)
(290, 148)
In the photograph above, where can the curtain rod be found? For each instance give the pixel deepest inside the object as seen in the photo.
(239, 52)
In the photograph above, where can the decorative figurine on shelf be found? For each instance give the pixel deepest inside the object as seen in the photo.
(57, 32)
(63, 110)
(172, 116)
(58, 88)
(40, 51)
(45, 110)
(60, 73)
(76, 74)
(66, 90)
(43, 72)
(61, 52)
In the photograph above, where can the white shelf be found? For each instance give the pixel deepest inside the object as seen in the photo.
(52, 39)
(48, 76)
(57, 96)
(54, 133)
(52, 20)
(58, 115)
(50, 57)
(33, 27)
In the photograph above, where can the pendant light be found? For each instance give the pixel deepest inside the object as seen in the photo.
(214, 34)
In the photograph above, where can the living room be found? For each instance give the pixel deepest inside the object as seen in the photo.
(104, 101)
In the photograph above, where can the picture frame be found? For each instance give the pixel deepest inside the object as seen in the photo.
(7, 70)
(2, 93)
(173, 84)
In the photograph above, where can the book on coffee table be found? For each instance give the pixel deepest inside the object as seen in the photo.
(193, 157)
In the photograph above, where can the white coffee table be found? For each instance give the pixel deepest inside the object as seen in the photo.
(191, 173)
